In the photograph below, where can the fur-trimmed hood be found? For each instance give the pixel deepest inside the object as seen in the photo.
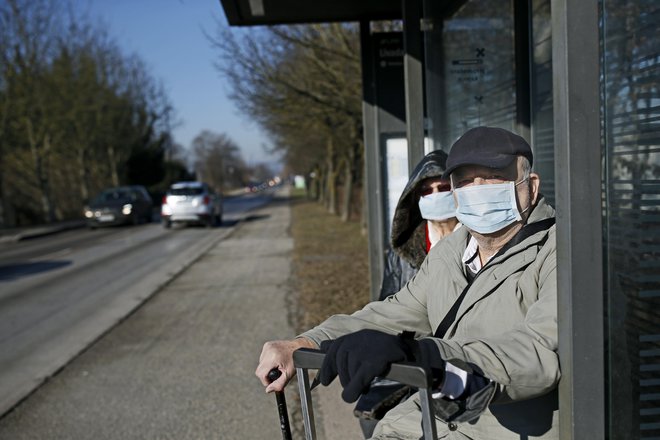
(408, 237)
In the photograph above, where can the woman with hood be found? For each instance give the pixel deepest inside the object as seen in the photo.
(424, 215)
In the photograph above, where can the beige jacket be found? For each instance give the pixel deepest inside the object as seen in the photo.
(506, 328)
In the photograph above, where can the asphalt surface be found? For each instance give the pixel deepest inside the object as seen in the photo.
(181, 366)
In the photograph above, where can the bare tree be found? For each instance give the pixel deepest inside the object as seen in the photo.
(28, 47)
(75, 113)
(302, 84)
(217, 160)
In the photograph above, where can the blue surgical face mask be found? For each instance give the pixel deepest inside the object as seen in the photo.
(437, 206)
(488, 208)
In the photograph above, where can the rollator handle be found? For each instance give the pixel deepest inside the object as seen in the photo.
(408, 374)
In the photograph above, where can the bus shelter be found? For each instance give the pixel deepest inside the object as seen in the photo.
(579, 79)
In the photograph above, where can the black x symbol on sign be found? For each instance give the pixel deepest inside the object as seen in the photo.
(481, 51)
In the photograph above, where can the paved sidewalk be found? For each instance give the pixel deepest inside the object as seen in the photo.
(182, 365)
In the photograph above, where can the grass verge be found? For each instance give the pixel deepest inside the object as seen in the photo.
(330, 264)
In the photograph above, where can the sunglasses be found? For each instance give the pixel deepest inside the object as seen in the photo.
(429, 189)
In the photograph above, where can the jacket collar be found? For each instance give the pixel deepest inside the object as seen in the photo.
(493, 275)
(541, 211)
(494, 272)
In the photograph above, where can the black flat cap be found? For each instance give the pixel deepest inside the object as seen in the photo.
(487, 146)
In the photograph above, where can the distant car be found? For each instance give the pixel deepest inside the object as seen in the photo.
(191, 202)
(124, 204)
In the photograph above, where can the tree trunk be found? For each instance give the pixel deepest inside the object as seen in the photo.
(44, 183)
(352, 163)
(314, 184)
(322, 183)
(363, 214)
(114, 175)
(348, 191)
(331, 177)
(4, 220)
(83, 175)
(308, 186)
(3, 200)
(40, 171)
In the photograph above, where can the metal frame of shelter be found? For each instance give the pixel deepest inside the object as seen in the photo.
(577, 164)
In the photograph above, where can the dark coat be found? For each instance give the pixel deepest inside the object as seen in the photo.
(408, 239)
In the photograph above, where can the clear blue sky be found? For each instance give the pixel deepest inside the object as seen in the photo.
(168, 36)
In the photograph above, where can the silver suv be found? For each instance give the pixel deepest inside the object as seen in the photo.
(191, 202)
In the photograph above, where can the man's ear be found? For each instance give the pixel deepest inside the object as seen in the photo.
(534, 185)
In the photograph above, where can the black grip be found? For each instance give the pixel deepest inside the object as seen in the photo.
(273, 375)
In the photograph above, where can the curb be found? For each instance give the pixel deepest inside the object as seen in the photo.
(40, 231)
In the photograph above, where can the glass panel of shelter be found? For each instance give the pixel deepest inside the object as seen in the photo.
(470, 71)
(542, 119)
(631, 214)
(470, 75)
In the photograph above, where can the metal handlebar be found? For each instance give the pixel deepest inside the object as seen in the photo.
(305, 359)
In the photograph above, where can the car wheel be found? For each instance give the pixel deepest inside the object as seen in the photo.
(167, 224)
(218, 220)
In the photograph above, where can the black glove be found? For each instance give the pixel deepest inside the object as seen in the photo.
(361, 356)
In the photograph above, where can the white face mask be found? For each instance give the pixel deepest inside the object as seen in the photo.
(437, 206)
(488, 208)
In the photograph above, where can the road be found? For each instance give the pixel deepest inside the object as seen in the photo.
(60, 293)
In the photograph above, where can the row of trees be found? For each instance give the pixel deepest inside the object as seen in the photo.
(218, 161)
(302, 85)
(77, 115)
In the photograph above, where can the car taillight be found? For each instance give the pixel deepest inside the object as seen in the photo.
(207, 200)
(164, 201)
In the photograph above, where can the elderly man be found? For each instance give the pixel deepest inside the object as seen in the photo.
(480, 314)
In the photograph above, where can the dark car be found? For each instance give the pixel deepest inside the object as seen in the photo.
(124, 204)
